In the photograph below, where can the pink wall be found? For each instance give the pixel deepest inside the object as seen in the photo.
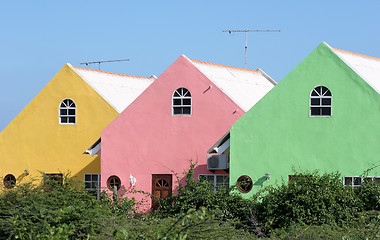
(146, 139)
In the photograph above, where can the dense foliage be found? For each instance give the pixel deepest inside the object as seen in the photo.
(312, 205)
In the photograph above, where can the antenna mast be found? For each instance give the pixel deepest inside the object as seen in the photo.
(99, 62)
(246, 38)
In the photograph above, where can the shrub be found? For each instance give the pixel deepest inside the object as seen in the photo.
(311, 198)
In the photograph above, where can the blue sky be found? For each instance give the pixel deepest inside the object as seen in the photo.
(38, 37)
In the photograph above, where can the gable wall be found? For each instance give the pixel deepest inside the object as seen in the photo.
(277, 134)
(146, 139)
(36, 141)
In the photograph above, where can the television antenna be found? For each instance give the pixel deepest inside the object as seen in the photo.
(99, 62)
(246, 38)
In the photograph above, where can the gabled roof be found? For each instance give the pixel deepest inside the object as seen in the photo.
(244, 86)
(118, 90)
(366, 67)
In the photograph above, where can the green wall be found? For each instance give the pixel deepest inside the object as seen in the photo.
(277, 134)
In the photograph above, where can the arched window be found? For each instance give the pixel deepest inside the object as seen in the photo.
(181, 102)
(320, 102)
(67, 112)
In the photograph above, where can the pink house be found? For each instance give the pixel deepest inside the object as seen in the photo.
(175, 120)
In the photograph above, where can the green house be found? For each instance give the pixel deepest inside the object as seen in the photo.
(325, 114)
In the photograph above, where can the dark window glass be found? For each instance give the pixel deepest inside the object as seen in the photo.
(186, 110)
(326, 111)
(244, 184)
(357, 181)
(64, 119)
(87, 177)
(176, 101)
(63, 111)
(186, 101)
(348, 181)
(326, 101)
(315, 111)
(177, 110)
(71, 112)
(315, 101)
(9, 181)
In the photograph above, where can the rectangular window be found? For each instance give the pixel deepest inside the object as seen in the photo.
(217, 180)
(357, 181)
(92, 184)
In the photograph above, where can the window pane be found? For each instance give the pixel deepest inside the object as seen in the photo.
(314, 93)
(357, 181)
(326, 101)
(95, 177)
(187, 101)
(63, 111)
(87, 177)
(202, 177)
(219, 179)
(186, 110)
(348, 181)
(87, 185)
(177, 110)
(94, 185)
(315, 111)
(377, 180)
(210, 178)
(176, 101)
(315, 101)
(72, 112)
(328, 93)
(326, 111)
(64, 119)
(71, 119)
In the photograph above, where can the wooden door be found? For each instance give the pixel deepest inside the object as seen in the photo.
(161, 187)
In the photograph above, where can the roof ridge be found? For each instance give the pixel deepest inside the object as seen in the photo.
(225, 66)
(119, 74)
(358, 54)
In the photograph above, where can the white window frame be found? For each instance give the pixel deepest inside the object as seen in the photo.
(215, 184)
(67, 115)
(91, 181)
(182, 97)
(373, 178)
(320, 97)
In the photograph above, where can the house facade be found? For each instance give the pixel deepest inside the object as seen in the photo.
(50, 134)
(323, 115)
(173, 123)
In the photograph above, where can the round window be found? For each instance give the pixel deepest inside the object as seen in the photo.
(244, 184)
(9, 181)
(113, 182)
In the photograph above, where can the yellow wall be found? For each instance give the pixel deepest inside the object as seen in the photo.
(36, 141)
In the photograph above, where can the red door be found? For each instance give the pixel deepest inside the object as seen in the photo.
(161, 187)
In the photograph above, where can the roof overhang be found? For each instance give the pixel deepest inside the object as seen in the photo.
(94, 148)
(221, 145)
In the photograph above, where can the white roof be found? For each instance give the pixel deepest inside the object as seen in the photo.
(366, 67)
(244, 86)
(118, 90)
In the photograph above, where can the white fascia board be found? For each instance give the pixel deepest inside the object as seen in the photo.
(223, 147)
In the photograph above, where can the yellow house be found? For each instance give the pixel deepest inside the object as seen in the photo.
(51, 132)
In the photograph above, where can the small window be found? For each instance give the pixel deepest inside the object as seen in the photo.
(357, 181)
(67, 112)
(244, 184)
(9, 181)
(216, 180)
(92, 184)
(320, 102)
(113, 183)
(181, 102)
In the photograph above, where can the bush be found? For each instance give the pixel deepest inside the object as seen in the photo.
(310, 198)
